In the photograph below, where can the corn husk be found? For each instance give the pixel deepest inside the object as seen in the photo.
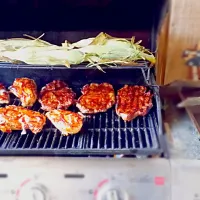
(79, 44)
(116, 50)
(103, 49)
(17, 43)
(50, 55)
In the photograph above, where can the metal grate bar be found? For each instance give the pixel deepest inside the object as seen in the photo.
(87, 136)
(153, 134)
(126, 135)
(106, 131)
(1, 136)
(139, 135)
(84, 139)
(13, 141)
(6, 141)
(25, 141)
(113, 123)
(80, 142)
(47, 140)
(66, 144)
(18, 142)
(146, 134)
(99, 133)
(54, 140)
(33, 140)
(154, 121)
(133, 135)
(73, 143)
(40, 139)
(60, 141)
(93, 126)
(119, 133)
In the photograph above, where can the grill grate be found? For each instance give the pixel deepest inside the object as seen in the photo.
(102, 134)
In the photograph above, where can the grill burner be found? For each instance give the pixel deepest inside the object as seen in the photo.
(103, 133)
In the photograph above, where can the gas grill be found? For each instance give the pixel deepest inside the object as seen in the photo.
(49, 166)
(102, 134)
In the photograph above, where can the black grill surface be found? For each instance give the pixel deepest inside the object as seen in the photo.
(103, 133)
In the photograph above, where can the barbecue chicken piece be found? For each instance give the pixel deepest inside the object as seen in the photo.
(26, 90)
(66, 122)
(20, 118)
(56, 95)
(96, 98)
(133, 101)
(4, 95)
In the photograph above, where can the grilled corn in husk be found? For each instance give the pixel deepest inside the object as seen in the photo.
(103, 49)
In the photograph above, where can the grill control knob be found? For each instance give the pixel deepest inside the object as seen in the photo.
(33, 192)
(37, 194)
(112, 194)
